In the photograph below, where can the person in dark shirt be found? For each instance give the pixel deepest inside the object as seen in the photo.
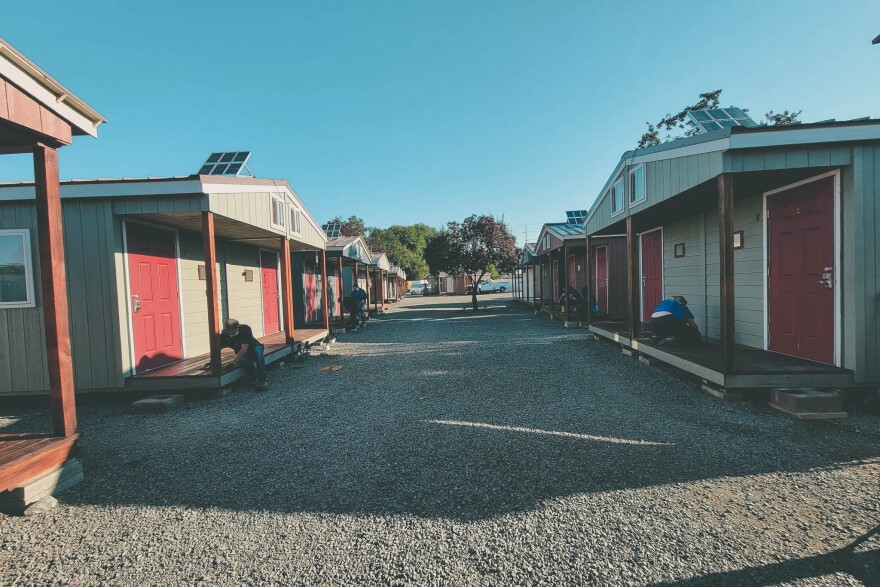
(359, 300)
(248, 350)
(672, 322)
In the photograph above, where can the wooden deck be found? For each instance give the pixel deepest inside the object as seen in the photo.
(24, 456)
(753, 368)
(194, 373)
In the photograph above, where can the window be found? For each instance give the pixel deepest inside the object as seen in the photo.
(277, 217)
(637, 185)
(546, 242)
(617, 196)
(16, 269)
(295, 220)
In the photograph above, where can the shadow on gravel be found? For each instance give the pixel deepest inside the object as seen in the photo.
(863, 566)
(489, 422)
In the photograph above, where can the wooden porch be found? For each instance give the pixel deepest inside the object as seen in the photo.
(752, 368)
(27, 455)
(194, 373)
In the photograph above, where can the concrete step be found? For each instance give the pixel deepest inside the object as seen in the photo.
(808, 404)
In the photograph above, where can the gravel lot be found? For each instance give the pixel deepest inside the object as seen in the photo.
(495, 449)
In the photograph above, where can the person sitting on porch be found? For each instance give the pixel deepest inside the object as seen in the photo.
(595, 313)
(248, 350)
(672, 322)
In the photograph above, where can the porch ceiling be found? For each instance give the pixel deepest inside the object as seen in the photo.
(704, 198)
(226, 229)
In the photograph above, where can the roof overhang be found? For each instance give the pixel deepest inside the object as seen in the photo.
(30, 78)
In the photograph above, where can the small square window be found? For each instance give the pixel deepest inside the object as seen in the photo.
(295, 220)
(617, 196)
(16, 269)
(637, 185)
(277, 218)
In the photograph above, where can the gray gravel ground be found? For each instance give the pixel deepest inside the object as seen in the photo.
(497, 449)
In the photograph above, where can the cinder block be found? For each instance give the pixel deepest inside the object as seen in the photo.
(157, 404)
(628, 351)
(808, 404)
(648, 360)
(571, 324)
(15, 501)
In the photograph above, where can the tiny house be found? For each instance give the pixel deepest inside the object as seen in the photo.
(561, 258)
(348, 261)
(771, 235)
(140, 256)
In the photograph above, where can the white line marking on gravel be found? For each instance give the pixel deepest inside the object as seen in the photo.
(547, 432)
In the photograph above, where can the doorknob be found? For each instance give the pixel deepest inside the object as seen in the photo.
(827, 280)
(136, 303)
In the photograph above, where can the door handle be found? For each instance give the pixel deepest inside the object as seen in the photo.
(136, 303)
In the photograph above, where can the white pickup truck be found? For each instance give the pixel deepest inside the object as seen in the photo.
(489, 286)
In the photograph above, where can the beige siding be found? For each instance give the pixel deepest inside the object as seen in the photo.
(245, 297)
(194, 320)
(251, 208)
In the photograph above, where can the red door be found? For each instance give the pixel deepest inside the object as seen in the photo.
(269, 274)
(310, 287)
(801, 250)
(155, 303)
(602, 279)
(652, 272)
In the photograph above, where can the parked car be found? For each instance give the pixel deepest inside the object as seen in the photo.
(417, 288)
(489, 286)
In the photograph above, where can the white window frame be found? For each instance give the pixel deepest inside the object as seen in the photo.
(632, 174)
(274, 200)
(31, 301)
(611, 192)
(295, 220)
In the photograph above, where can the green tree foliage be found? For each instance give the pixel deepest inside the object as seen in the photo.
(470, 247)
(405, 246)
(676, 126)
(782, 118)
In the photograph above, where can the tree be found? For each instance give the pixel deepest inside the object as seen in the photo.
(354, 226)
(678, 125)
(782, 118)
(470, 247)
(404, 245)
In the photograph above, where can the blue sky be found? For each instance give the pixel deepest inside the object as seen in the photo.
(416, 111)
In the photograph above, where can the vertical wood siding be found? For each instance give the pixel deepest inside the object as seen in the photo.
(22, 340)
(245, 297)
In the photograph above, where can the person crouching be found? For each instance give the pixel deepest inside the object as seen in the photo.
(673, 323)
(248, 350)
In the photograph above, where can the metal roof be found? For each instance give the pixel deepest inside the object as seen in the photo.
(564, 230)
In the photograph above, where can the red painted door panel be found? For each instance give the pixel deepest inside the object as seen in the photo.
(155, 301)
(652, 272)
(602, 279)
(801, 247)
(271, 306)
(310, 287)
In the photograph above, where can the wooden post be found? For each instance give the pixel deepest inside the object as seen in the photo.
(287, 289)
(541, 266)
(340, 292)
(376, 283)
(725, 237)
(632, 280)
(588, 267)
(210, 253)
(355, 281)
(326, 299)
(368, 283)
(566, 284)
(53, 278)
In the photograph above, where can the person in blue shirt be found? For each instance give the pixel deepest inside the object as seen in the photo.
(359, 300)
(673, 323)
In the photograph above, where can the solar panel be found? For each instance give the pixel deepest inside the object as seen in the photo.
(226, 163)
(718, 118)
(333, 229)
(576, 217)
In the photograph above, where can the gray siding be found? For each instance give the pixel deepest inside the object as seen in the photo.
(22, 340)
(158, 204)
(788, 158)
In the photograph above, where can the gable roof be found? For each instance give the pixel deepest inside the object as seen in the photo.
(353, 247)
(27, 75)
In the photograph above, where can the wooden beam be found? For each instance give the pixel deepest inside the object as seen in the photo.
(725, 235)
(209, 249)
(541, 276)
(633, 280)
(565, 285)
(53, 278)
(287, 290)
(325, 297)
(588, 267)
(340, 293)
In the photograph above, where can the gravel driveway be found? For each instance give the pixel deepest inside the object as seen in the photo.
(497, 449)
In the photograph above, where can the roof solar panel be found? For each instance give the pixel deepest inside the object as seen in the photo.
(718, 118)
(332, 229)
(576, 217)
(226, 163)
